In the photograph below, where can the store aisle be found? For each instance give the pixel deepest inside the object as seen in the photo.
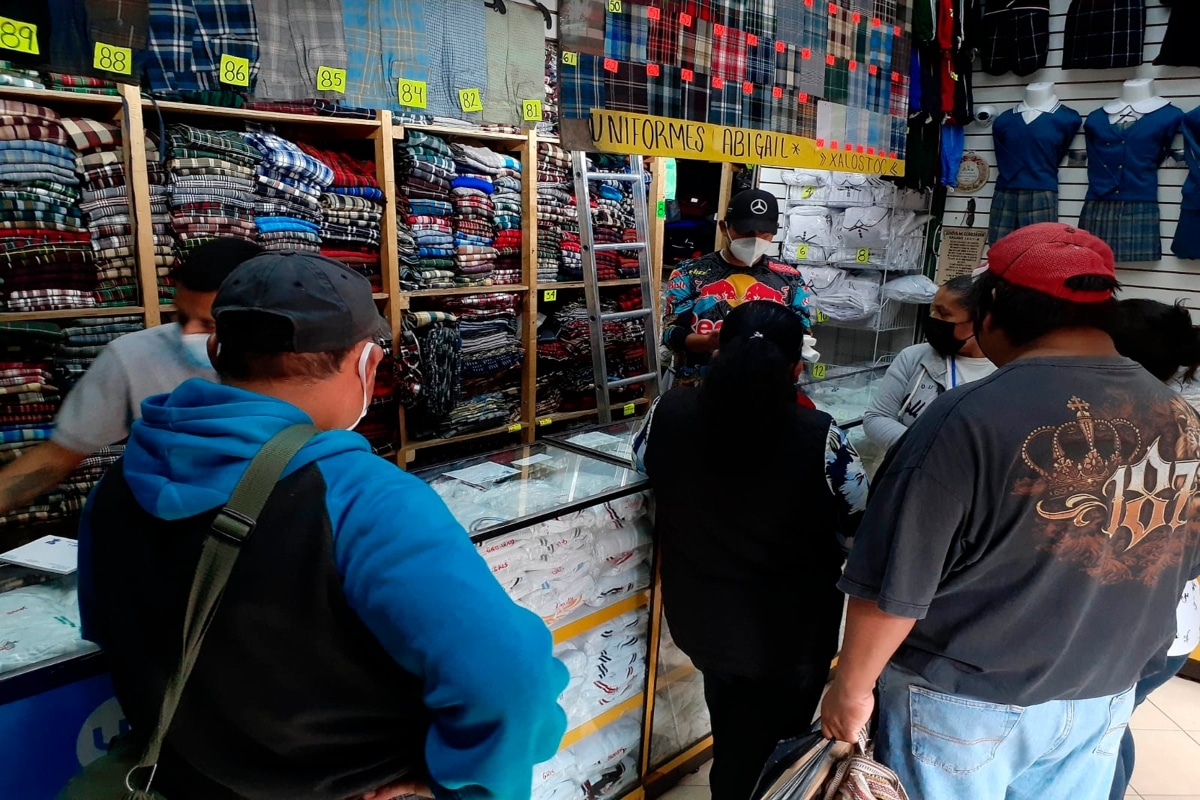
(1167, 728)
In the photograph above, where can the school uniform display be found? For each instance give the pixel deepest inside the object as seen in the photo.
(1104, 34)
(1027, 157)
(1178, 45)
(1187, 232)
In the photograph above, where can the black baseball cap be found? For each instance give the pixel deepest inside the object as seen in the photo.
(753, 211)
(288, 302)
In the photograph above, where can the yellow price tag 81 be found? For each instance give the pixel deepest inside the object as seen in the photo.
(802, 252)
(531, 110)
(544, 422)
(515, 428)
(413, 94)
(614, 6)
(629, 409)
(111, 58)
(19, 36)
(819, 371)
(470, 100)
(235, 71)
(862, 255)
(331, 79)
(822, 317)
(570, 59)
(550, 295)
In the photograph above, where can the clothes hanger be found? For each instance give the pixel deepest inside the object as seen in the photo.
(496, 5)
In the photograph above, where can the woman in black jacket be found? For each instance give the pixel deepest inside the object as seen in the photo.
(752, 493)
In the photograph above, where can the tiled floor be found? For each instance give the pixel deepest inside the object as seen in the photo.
(1166, 728)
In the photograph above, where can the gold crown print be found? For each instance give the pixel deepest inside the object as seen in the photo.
(1083, 453)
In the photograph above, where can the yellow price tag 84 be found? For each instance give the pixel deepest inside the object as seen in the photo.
(550, 295)
(235, 71)
(470, 100)
(862, 255)
(570, 59)
(629, 409)
(19, 36)
(331, 79)
(111, 58)
(819, 371)
(614, 6)
(802, 252)
(412, 94)
(531, 110)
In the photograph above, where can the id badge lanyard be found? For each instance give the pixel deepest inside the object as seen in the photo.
(953, 372)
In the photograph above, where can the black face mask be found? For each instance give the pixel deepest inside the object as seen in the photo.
(940, 335)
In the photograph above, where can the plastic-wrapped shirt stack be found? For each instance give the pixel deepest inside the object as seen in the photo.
(212, 186)
(474, 211)
(425, 169)
(46, 258)
(556, 209)
(287, 208)
(351, 213)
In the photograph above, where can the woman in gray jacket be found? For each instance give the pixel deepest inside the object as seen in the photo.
(950, 358)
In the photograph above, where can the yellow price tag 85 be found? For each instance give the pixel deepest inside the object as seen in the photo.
(629, 409)
(822, 317)
(550, 295)
(802, 252)
(19, 36)
(331, 79)
(470, 100)
(531, 110)
(412, 94)
(570, 59)
(515, 428)
(235, 71)
(862, 255)
(111, 58)
(819, 371)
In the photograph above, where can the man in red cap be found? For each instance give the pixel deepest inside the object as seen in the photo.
(1025, 547)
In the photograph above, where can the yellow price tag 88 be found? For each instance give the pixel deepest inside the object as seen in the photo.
(550, 295)
(802, 252)
(514, 428)
(235, 71)
(531, 110)
(413, 94)
(111, 58)
(470, 100)
(570, 59)
(629, 409)
(330, 79)
(862, 255)
(819, 371)
(19, 36)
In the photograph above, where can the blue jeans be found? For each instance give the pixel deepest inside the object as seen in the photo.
(1143, 689)
(945, 747)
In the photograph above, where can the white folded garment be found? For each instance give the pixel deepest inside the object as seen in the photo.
(868, 226)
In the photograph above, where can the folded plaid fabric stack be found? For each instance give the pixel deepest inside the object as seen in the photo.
(438, 347)
(474, 211)
(287, 203)
(313, 108)
(612, 218)
(79, 84)
(507, 199)
(424, 172)
(381, 425)
(15, 75)
(565, 355)
(159, 180)
(549, 124)
(556, 210)
(212, 182)
(351, 213)
(46, 260)
(82, 342)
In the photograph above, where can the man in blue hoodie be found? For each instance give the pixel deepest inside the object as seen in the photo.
(362, 648)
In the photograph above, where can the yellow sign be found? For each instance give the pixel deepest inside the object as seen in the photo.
(570, 59)
(544, 422)
(514, 428)
(531, 110)
(470, 100)
(614, 6)
(819, 371)
(629, 409)
(822, 317)
(640, 134)
(802, 252)
(19, 36)
(862, 255)
(807, 192)
(331, 79)
(235, 71)
(111, 58)
(550, 295)
(413, 94)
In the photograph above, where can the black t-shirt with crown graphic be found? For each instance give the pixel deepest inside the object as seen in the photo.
(1040, 525)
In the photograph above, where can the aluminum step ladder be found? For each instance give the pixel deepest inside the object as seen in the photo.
(636, 176)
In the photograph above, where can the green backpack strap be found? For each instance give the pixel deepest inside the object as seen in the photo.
(230, 529)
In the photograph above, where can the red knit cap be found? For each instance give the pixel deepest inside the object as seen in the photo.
(1042, 257)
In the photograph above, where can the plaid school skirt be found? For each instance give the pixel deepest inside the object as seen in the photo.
(1131, 229)
(1016, 208)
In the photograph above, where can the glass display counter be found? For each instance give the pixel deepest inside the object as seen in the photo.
(845, 393)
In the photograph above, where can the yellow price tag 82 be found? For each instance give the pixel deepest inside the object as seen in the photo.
(629, 409)
(235, 71)
(19, 36)
(470, 100)
(822, 317)
(412, 94)
(802, 252)
(111, 58)
(819, 371)
(515, 428)
(550, 295)
(614, 6)
(331, 79)
(570, 59)
(862, 255)
(531, 110)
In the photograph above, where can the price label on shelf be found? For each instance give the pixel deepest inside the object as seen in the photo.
(614, 6)
(819, 371)
(862, 255)
(822, 317)
(19, 36)
(111, 58)
(514, 428)
(235, 71)
(570, 59)
(808, 191)
(550, 295)
(470, 100)
(531, 110)
(331, 79)
(543, 422)
(802, 252)
(629, 409)
(413, 94)
(662, 209)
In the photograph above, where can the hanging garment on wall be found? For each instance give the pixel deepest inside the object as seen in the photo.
(456, 30)
(516, 42)
(1187, 231)
(1104, 34)
(1121, 206)
(188, 37)
(1015, 36)
(1027, 159)
(296, 37)
(1179, 43)
(385, 41)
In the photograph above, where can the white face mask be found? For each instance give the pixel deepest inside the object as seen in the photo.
(195, 350)
(362, 377)
(750, 249)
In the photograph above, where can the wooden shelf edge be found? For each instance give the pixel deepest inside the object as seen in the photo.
(675, 676)
(696, 751)
(52, 96)
(580, 284)
(465, 133)
(461, 290)
(515, 427)
(566, 416)
(71, 313)
(575, 735)
(176, 107)
(567, 632)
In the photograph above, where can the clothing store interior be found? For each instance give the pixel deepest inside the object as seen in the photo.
(773, 399)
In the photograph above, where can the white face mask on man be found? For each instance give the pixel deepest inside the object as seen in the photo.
(750, 249)
(195, 350)
(362, 378)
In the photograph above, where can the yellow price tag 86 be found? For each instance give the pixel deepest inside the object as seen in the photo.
(570, 59)
(629, 409)
(819, 371)
(550, 295)
(614, 6)
(802, 252)
(470, 100)
(413, 94)
(111, 58)
(531, 110)
(331, 79)
(235, 71)
(19, 36)
(515, 428)
(862, 255)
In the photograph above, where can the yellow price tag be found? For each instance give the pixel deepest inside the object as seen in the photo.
(470, 100)
(111, 58)
(531, 110)
(822, 317)
(570, 59)
(235, 71)
(515, 428)
(629, 409)
(550, 295)
(331, 79)
(819, 371)
(614, 6)
(544, 422)
(413, 94)
(862, 255)
(808, 191)
(19, 36)
(802, 252)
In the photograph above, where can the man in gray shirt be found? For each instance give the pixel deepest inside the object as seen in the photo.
(103, 405)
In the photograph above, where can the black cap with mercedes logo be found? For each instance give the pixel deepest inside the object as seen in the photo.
(753, 211)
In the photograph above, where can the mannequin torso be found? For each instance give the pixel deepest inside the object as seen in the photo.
(1039, 99)
(1137, 100)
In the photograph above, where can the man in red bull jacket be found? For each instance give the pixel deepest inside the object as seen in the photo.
(702, 291)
